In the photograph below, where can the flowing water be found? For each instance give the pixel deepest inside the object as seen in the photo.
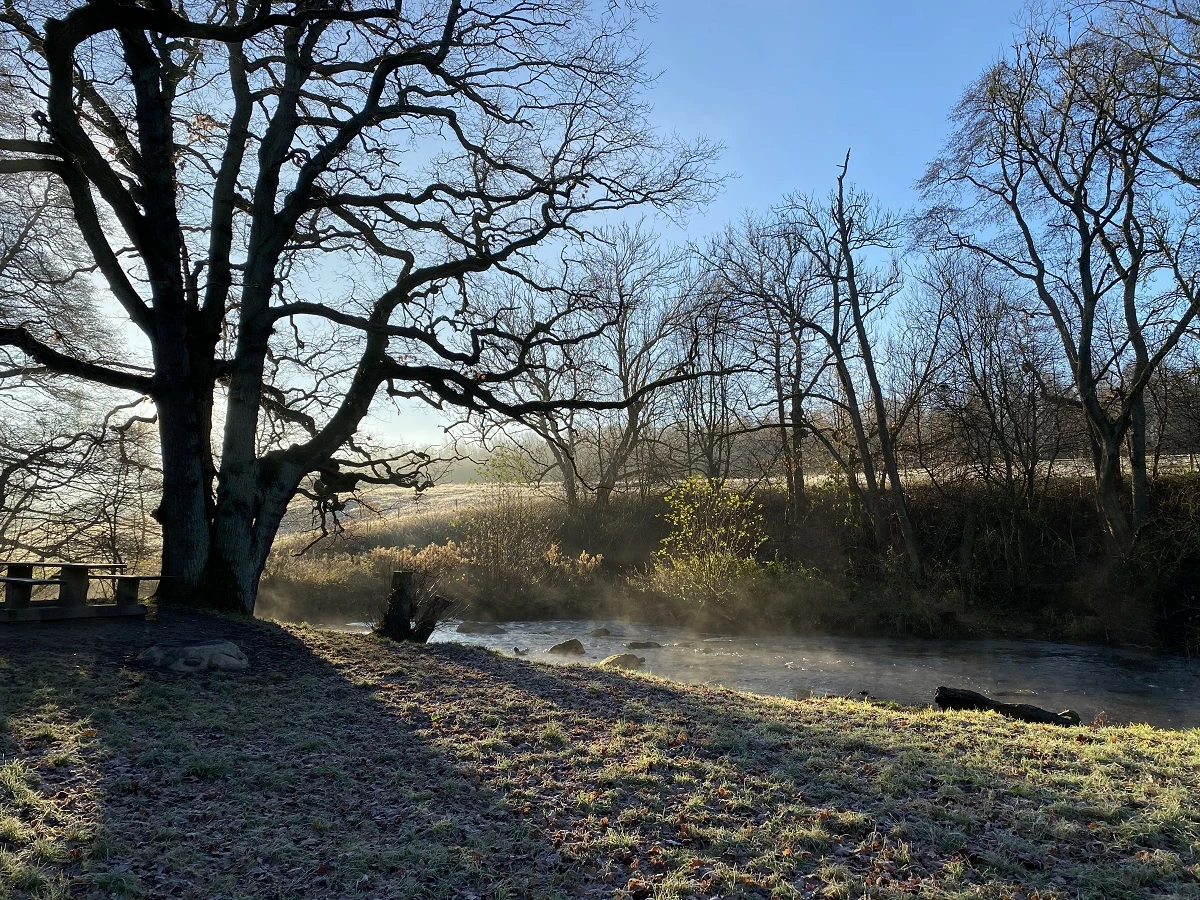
(1126, 686)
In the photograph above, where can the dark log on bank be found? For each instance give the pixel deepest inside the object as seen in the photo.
(957, 698)
(406, 619)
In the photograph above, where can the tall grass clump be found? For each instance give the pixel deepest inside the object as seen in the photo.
(501, 556)
(341, 587)
(515, 566)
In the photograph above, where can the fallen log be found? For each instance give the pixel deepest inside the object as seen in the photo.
(958, 698)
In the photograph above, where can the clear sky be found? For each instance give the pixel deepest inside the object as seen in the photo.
(789, 85)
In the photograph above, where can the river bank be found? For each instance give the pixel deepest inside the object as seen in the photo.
(343, 765)
(1120, 686)
(507, 552)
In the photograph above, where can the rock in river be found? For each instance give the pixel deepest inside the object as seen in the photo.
(479, 628)
(644, 645)
(623, 661)
(223, 655)
(571, 647)
(600, 632)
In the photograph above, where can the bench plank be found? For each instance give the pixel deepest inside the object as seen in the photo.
(53, 611)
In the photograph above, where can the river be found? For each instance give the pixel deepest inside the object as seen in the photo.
(1122, 685)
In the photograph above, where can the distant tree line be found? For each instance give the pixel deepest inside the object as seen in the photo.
(1036, 316)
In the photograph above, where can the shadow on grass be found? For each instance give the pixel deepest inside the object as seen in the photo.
(343, 765)
(286, 780)
(849, 799)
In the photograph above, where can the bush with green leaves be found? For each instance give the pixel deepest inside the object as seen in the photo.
(708, 556)
(708, 564)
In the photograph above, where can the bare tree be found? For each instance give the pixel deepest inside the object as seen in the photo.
(74, 478)
(706, 412)
(767, 271)
(842, 236)
(997, 414)
(303, 200)
(1051, 175)
(635, 297)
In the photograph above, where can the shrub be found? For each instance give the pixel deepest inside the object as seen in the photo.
(707, 519)
(708, 556)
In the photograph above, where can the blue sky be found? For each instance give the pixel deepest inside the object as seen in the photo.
(787, 87)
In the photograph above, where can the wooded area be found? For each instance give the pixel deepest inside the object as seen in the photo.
(304, 213)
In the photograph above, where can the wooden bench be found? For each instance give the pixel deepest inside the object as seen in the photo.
(18, 592)
(73, 579)
(126, 587)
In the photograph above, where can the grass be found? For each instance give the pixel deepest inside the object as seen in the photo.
(341, 765)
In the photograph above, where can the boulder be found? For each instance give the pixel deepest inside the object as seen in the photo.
(600, 632)
(479, 628)
(644, 645)
(571, 648)
(224, 656)
(623, 661)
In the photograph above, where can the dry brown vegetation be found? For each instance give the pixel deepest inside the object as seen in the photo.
(991, 568)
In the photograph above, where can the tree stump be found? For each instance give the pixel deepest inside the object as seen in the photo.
(428, 616)
(406, 619)
(397, 621)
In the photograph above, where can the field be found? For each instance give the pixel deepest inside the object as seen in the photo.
(341, 765)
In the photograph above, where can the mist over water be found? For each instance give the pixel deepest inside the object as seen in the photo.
(1126, 686)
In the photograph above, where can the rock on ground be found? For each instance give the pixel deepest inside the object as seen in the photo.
(623, 661)
(225, 656)
(572, 646)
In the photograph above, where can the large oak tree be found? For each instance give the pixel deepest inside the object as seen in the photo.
(294, 204)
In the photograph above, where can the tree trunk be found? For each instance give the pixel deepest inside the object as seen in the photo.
(564, 458)
(243, 535)
(1108, 497)
(958, 698)
(1137, 464)
(231, 583)
(397, 621)
(799, 501)
(887, 450)
(183, 512)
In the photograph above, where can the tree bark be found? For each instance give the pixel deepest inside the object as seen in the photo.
(1137, 464)
(1109, 491)
(883, 427)
(183, 511)
(397, 621)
